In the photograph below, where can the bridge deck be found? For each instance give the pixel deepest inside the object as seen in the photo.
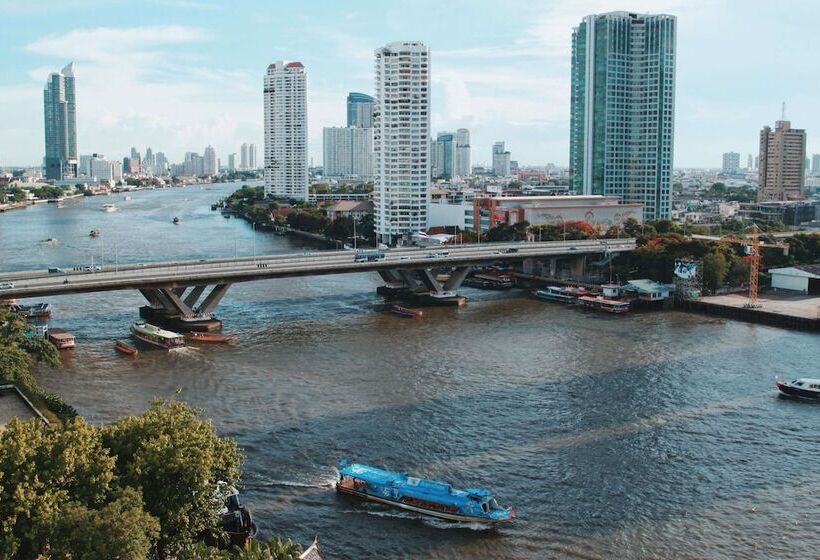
(244, 269)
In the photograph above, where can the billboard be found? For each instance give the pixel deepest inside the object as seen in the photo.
(686, 270)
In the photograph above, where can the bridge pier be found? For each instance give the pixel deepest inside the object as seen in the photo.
(174, 309)
(421, 286)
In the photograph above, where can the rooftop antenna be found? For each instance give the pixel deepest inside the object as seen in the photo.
(783, 112)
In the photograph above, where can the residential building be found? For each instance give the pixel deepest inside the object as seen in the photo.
(231, 163)
(749, 163)
(731, 163)
(209, 161)
(462, 157)
(401, 139)
(348, 152)
(252, 161)
(501, 160)
(243, 160)
(623, 108)
(360, 110)
(356, 209)
(60, 118)
(782, 154)
(442, 156)
(286, 171)
(815, 165)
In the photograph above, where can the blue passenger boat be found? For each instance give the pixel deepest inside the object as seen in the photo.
(429, 497)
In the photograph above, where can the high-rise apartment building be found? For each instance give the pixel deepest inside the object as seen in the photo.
(815, 165)
(231, 163)
(360, 110)
(443, 156)
(782, 154)
(462, 158)
(243, 157)
(161, 166)
(60, 118)
(501, 160)
(209, 164)
(286, 172)
(348, 152)
(750, 162)
(401, 139)
(252, 162)
(731, 163)
(623, 108)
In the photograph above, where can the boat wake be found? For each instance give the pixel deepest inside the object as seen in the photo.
(440, 524)
(294, 484)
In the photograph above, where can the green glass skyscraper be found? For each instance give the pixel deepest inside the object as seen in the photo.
(60, 117)
(623, 109)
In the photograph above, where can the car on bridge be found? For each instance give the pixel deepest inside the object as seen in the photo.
(6, 285)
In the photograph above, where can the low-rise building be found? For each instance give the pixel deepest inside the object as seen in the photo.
(350, 209)
(798, 278)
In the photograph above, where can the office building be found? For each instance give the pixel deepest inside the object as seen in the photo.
(286, 172)
(443, 156)
(623, 109)
(243, 157)
(501, 160)
(462, 158)
(60, 118)
(781, 169)
(731, 163)
(231, 163)
(209, 161)
(360, 110)
(348, 152)
(401, 139)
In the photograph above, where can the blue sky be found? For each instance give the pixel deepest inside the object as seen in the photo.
(180, 74)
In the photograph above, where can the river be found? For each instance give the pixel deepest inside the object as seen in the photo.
(653, 435)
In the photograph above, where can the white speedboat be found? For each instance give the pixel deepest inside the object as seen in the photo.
(109, 208)
(803, 388)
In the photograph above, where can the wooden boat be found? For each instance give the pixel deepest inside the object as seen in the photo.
(406, 311)
(214, 338)
(124, 348)
(60, 338)
(428, 497)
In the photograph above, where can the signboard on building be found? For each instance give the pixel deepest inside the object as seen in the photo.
(686, 270)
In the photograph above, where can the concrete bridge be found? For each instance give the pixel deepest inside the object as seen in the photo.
(189, 291)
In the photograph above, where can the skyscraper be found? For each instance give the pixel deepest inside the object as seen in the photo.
(209, 163)
(348, 152)
(501, 160)
(401, 139)
(781, 161)
(60, 117)
(750, 162)
(286, 173)
(815, 165)
(360, 110)
(243, 157)
(623, 108)
(462, 160)
(252, 165)
(231, 163)
(442, 156)
(731, 163)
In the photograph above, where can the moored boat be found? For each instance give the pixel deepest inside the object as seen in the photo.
(489, 282)
(601, 303)
(555, 293)
(33, 311)
(156, 336)
(60, 338)
(215, 338)
(124, 348)
(803, 388)
(428, 497)
(406, 311)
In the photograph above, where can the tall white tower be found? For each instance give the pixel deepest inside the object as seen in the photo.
(462, 165)
(401, 139)
(286, 173)
(210, 161)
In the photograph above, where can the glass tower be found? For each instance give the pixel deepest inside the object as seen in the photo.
(359, 110)
(60, 117)
(623, 108)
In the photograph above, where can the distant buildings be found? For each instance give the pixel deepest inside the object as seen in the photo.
(209, 161)
(781, 163)
(348, 152)
(286, 172)
(501, 160)
(60, 117)
(815, 165)
(443, 156)
(750, 163)
(231, 163)
(360, 110)
(462, 159)
(253, 165)
(401, 139)
(243, 157)
(623, 108)
(731, 163)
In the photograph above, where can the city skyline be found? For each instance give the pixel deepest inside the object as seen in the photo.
(524, 99)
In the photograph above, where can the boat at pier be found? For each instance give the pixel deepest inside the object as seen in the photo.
(601, 303)
(124, 348)
(406, 311)
(555, 293)
(428, 497)
(33, 311)
(156, 336)
(214, 338)
(60, 338)
(803, 388)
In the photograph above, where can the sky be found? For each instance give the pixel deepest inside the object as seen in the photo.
(178, 75)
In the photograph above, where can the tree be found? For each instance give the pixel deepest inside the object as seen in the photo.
(341, 228)
(715, 268)
(177, 458)
(120, 529)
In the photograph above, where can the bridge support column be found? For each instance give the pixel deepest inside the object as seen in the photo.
(176, 310)
(421, 286)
